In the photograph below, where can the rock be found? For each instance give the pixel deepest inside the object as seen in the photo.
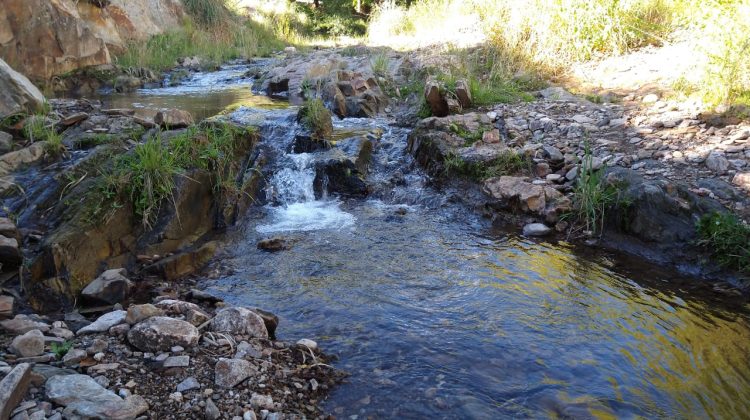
(433, 97)
(74, 119)
(15, 160)
(138, 313)
(162, 333)
(74, 356)
(310, 344)
(553, 153)
(742, 180)
(17, 94)
(63, 333)
(212, 412)
(184, 263)
(491, 136)
(83, 396)
(717, 162)
(249, 415)
(110, 287)
(13, 388)
(618, 122)
(463, 93)
(231, 372)
(176, 361)
(173, 118)
(572, 174)
(6, 142)
(239, 321)
(120, 329)
(246, 350)
(76, 321)
(21, 324)
(515, 193)
(271, 321)
(273, 244)
(104, 323)
(97, 346)
(650, 98)
(188, 384)
(10, 255)
(29, 344)
(6, 306)
(260, 401)
(192, 312)
(196, 294)
(536, 229)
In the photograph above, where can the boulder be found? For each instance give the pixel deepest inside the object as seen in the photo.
(231, 372)
(239, 321)
(28, 345)
(13, 389)
(184, 263)
(516, 193)
(271, 321)
(110, 287)
(104, 323)
(138, 313)
(16, 159)
(463, 93)
(273, 244)
(173, 118)
(17, 93)
(83, 397)
(161, 333)
(742, 180)
(717, 162)
(434, 98)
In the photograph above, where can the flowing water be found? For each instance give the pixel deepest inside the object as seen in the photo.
(436, 314)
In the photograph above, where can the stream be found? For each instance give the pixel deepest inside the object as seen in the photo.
(435, 313)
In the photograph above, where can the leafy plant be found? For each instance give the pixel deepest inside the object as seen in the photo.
(61, 349)
(727, 238)
(591, 197)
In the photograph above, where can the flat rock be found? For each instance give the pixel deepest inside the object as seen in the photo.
(110, 287)
(188, 384)
(176, 361)
(239, 321)
(159, 334)
(30, 344)
(230, 372)
(104, 323)
(13, 388)
(246, 350)
(83, 396)
(173, 118)
(21, 324)
(138, 313)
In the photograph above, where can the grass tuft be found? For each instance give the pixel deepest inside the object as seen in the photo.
(727, 238)
(316, 117)
(507, 163)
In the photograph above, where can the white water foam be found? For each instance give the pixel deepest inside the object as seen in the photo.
(307, 216)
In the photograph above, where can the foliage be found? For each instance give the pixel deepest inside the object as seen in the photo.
(379, 64)
(61, 349)
(507, 163)
(316, 117)
(591, 197)
(728, 239)
(471, 137)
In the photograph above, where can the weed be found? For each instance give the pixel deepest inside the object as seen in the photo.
(316, 117)
(591, 197)
(728, 239)
(379, 64)
(471, 137)
(61, 349)
(507, 163)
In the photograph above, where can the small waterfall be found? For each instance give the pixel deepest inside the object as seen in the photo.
(293, 184)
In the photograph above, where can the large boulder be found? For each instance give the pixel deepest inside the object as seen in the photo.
(83, 397)
(239, 321)
(17, 93)
(161, 333)
(110, 287)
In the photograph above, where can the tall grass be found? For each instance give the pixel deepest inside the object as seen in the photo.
(728, 239)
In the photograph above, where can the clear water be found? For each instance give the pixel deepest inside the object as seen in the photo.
(437, 315)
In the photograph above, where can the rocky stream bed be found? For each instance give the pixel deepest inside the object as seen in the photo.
(376, 273)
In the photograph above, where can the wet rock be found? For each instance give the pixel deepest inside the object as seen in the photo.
(83, 396)
(29, 344)
(306, 143)
(173, 119)
(536, 229)
(321, 130)
(231, 372)
(239, 321)
(74, 356)
(10, 255)
(138, 313)
(516, 193)
(162, 333)
(110, 287)
(204, 296)
(21, 324)
(17, 94)
(192, 312)
(103, 323)
(13, 161)
(13, 388)
(271, 321)
(184, 263)
(273, 244)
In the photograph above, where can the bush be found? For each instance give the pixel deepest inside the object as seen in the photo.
(727, 238)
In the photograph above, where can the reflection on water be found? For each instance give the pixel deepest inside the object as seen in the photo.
(433, 320)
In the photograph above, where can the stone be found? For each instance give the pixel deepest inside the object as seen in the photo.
(261, 401)
(176, 361)
(74, 119)
(650, 98)
(271, 321)
(188, 384)
(717, 162)
(239, 321)
(491, 136)
(536, 229)
(138, 313)
(516, 193)
(161, 333)
(212, 412)
(109, 288)
(83, 396)
(13, 388)
(97, 346)
(6, 143)
(273, 244)
(184, 263)
(231, 372)
(310, 344)
(433, 97)
(463, 93)
(76, 321)
(17, 159)
(553, 153)
(17, 94)
(246, 350)
(742, 180)
(192, 312)
(6, 306)
(10, 254)
(173, 119)
(572, 174)
(74, 357)
(103, 323)
(21, 324)
(249, 415)
(29, 344)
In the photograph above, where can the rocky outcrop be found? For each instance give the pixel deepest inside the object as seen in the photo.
(44, 38)
(17, 93)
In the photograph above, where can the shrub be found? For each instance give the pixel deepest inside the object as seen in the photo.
(727, 238)
(316, 117)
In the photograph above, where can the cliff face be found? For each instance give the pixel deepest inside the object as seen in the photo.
(44, 38)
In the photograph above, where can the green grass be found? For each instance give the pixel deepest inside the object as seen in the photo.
(316, 117)
(507, 163)
(61, 349)
(727, 238)
(591, 197)
(471, 137)
(379, 64)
